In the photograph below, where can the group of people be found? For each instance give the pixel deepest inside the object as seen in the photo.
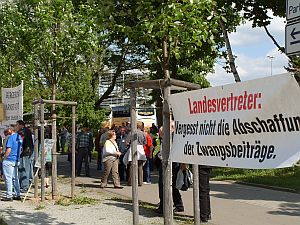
(114, 157)
(17, 160)
(114, 154)
(114, 151)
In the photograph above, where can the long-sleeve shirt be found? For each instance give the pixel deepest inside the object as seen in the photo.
(141, 137)
(84, 140)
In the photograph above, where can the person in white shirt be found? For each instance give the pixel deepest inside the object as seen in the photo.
(110, 159)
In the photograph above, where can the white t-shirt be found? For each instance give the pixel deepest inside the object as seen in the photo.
(110, 150)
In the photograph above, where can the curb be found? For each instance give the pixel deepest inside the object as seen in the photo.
(275, 188)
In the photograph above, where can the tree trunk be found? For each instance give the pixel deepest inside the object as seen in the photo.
(229, 53)
(108, 91)
(166, 163)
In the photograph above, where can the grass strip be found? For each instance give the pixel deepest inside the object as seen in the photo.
(283, 178)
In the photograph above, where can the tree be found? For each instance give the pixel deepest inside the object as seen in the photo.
(256, 11)
(55, 47)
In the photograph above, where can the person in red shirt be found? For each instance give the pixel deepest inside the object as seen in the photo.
(148, 148)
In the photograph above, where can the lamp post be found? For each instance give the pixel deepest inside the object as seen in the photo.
(271, 60)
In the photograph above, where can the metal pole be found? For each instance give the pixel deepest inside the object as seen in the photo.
(196, 195)
(42, 154)
(271, 66)
(271, 60)
(134, 177)
(36, 147)
(73, 151)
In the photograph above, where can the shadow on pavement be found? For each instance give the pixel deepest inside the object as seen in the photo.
(146, 210)
(288, 209)
(37, 218)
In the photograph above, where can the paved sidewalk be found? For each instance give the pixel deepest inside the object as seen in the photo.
(235, 204)
(110, 209)
(232, 204)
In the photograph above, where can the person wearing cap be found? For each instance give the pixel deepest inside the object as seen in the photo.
(10, 160)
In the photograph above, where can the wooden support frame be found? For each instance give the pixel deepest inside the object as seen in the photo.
(165, 85)
(41, 103)
(162, 83)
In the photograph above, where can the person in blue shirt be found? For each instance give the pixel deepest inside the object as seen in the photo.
(11, 160)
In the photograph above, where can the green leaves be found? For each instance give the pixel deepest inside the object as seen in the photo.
(46, 43)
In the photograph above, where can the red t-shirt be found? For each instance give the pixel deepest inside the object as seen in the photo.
(148, 146)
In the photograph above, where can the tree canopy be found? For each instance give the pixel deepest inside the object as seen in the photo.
(60, 48)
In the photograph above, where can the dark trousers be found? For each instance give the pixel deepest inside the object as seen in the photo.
(140, 173)
(83, 154)
(204, 189)
(99, 159)
(177, 200)
(123, 172)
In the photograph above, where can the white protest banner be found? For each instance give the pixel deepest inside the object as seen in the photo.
(12, 98)
(253, 124)
(48, 146)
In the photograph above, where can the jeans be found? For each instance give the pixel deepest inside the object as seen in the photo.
(24, 172)
(31, 174)
(10, 170)
(146, 168)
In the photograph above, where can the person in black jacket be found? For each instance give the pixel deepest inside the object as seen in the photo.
(26, 164)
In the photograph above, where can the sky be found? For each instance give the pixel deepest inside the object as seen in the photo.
(252, 47)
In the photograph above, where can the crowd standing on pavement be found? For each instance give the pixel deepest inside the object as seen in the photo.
(113, 157)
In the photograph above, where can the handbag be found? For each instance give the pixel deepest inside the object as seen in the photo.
(184, 180)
